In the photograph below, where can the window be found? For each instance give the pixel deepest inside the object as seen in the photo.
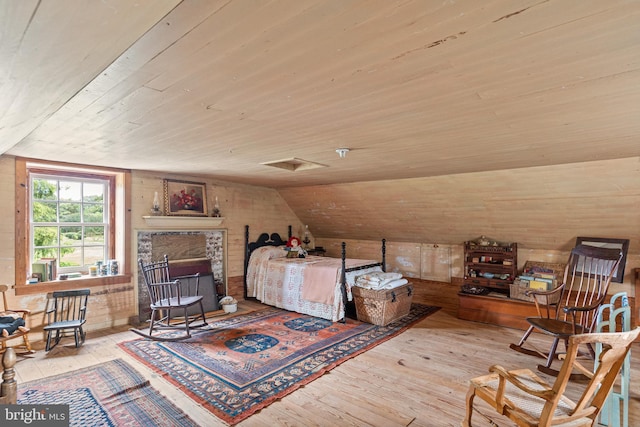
(72, 217)
(70, 220)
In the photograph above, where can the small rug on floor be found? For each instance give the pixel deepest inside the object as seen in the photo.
(241, 364)
(108, 394)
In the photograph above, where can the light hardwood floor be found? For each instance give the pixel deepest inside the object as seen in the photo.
(418, 378)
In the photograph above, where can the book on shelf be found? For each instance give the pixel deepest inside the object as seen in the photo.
(46, 269)
(538, 284)
(39, 271)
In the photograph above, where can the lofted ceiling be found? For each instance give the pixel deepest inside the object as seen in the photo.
(413, 88)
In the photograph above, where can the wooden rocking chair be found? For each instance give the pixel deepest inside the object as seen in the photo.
(167, 295)
(529, 401)
(21, 331)
(572, 307)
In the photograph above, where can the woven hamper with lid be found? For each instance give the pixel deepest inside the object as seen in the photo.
(381, 307)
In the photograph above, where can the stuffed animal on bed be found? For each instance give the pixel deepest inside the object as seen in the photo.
(293, 248)
(10, 322)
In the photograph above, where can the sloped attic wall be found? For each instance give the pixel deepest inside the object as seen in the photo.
(542, 208)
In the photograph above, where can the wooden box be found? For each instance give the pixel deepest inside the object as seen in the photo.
(381, 307)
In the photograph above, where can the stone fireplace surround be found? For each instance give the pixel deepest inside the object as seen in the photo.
(181, 245)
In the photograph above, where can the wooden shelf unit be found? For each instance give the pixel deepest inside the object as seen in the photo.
(501, 261)
(482, 261)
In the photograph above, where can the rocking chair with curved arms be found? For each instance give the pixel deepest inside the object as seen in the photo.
(529, 401)
(572, 307)
(170, 294)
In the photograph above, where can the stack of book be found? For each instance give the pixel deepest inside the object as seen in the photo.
(45, 270)
(538, 278)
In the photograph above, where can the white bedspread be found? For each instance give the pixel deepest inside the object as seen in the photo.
(278, 281)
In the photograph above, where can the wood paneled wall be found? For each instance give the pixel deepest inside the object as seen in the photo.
(543, 209)
(424, 221)
(261, 207)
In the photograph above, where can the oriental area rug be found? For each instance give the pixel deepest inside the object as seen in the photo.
(108, 394)
(241, 364)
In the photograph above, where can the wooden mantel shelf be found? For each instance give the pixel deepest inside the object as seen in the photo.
(183, 222)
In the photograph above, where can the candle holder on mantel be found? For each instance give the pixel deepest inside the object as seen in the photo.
(155, 210)
(216, 209)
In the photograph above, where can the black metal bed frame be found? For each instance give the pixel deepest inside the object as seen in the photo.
(274, 239)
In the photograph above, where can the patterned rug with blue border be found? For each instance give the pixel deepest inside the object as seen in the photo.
(243, 363)
(108, 394)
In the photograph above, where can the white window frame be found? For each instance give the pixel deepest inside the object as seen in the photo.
(58, 176)
(119, 232)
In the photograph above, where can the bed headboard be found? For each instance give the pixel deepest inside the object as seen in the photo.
(263, 240)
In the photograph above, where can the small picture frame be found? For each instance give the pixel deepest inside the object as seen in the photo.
(622, 244)
(185, 198)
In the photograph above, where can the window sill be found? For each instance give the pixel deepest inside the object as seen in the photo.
(81, 282)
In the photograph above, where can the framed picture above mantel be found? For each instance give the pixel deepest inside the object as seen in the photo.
(185, 198)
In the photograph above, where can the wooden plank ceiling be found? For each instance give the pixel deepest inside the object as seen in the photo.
(413, 88)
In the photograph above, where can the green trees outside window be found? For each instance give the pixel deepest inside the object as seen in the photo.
(69, 221)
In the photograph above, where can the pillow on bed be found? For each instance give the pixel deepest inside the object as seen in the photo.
(270, 252)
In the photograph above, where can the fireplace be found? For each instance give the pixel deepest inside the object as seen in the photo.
(189, 252)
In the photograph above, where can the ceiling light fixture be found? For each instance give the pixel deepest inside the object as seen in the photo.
(342, 152)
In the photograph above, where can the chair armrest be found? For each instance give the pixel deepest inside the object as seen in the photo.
(173, 288)
(591, 307)
(51, 313)
(542, 299)
(20, 310)
(546, 394)
(188, 284)
(536, 292)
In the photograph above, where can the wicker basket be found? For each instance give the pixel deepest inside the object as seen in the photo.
(382, 307)
(517, 290)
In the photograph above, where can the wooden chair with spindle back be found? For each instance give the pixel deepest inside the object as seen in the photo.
(572, 307)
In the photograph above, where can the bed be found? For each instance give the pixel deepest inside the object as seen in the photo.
(315, 285)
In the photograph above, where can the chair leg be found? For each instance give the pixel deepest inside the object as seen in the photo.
(204, 317)
(547, 369)
(467, 417)
(525, 336)
(48, 346)
(186, 321)
(152, 322)
(519, 347)
(27, 344)
(76, 336)
(552, 352)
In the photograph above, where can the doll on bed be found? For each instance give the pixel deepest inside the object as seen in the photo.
(10, 322)
(293, 248)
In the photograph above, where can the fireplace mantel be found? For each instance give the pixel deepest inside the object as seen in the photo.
(183, 222)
